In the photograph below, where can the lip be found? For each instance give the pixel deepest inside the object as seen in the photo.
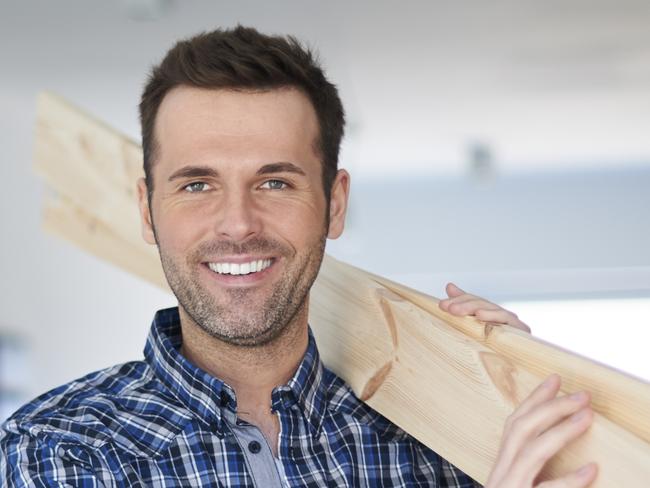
(247, 280)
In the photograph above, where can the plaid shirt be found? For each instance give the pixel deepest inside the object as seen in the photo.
(160, 423)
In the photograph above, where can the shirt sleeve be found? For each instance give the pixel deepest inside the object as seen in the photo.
(452, 477)
(35, 463)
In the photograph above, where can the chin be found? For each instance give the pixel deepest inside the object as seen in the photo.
(254, 339)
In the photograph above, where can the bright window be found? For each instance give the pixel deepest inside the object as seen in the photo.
(612, 331)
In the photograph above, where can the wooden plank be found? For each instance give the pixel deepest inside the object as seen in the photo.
(621, 398)
(89, 164)
(449, 381)
(451, 385)
(63, 219)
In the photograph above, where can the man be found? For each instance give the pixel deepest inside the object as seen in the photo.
(241, 134)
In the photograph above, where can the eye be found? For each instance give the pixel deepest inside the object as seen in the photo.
(196, 187)
(275, 184)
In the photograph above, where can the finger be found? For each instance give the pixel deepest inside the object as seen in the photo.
(447, 302)
(453, 290)
(579, 478)
(537, 453)
(509, 449)
(466, 297)
(544, 392)
(462, 299)
(543, 417)
(471, 305)
(499, 317)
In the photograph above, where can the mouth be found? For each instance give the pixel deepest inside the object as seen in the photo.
(235, 269)
(238, 272)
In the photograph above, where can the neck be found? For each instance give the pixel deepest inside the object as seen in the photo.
(252, 371)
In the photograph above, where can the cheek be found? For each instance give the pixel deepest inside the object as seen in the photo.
(306, 206)
(299, 231)
(297, 218)
(179, 230)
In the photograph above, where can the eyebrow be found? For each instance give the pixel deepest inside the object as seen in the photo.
(194, 172)
(209, 172)
(281, 167)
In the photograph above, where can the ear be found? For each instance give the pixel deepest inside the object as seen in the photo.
(145, 213)
(338, 203)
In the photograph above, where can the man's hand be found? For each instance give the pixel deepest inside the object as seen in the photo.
(541, 426)
(537, 430)
(461, 303)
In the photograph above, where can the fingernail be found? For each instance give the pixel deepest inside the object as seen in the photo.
(549, 381)
(579, 396)
(585, 470)
(577, 417)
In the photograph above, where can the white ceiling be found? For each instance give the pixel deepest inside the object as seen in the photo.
(543, 84)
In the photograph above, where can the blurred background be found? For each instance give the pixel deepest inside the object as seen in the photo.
(501, 145)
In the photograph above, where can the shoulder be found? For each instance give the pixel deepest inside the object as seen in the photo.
(116, 405)
(343, 402)
(361, 425)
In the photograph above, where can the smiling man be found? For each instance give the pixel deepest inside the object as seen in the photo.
(241, 134)
(240, 219)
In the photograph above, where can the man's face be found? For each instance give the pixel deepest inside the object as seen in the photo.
(238, 208)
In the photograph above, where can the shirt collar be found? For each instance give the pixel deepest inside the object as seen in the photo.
(206, 395)
(307, 388)
(197, 390)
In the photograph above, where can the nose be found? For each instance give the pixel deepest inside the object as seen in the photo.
(237, 217)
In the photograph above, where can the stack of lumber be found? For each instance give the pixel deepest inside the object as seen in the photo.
(451, 382)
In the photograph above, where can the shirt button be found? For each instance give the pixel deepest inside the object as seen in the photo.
(254, 447)
(225, 399)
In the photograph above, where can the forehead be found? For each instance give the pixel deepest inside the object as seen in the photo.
(278, 124)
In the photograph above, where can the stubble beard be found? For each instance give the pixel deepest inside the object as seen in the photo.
(238, 318)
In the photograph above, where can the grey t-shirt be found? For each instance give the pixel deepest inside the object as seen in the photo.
(266, 470)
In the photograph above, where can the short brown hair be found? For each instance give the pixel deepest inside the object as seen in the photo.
(243, 58)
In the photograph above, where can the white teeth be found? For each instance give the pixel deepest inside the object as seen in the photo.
(240, 268)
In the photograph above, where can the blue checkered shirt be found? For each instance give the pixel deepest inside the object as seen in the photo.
(160, 423)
